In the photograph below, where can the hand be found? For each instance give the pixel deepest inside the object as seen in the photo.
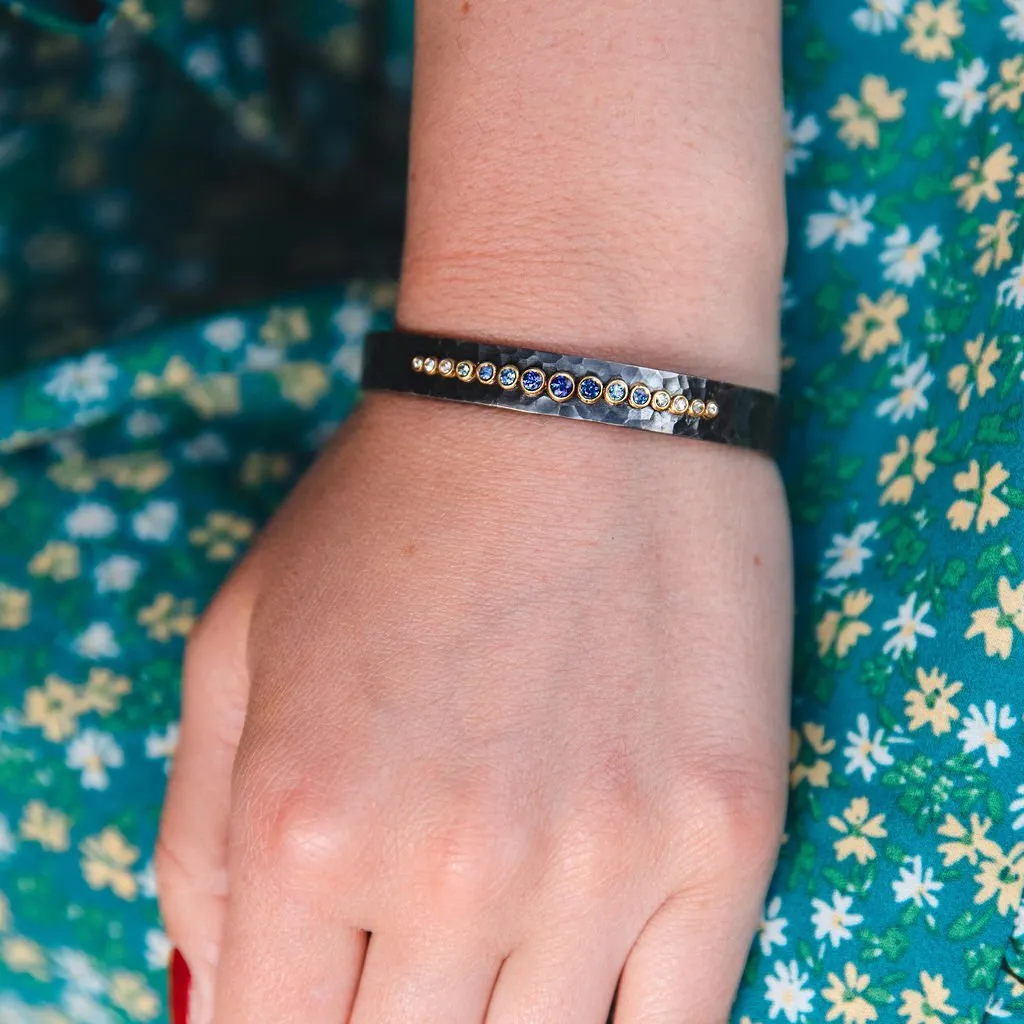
(511, 694)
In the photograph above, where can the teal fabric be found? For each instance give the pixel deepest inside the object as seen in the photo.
(200, 216)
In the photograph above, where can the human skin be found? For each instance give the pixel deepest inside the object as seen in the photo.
(511, 693)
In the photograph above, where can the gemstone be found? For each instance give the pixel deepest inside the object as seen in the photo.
(679, 405)
(485, 373)
(430, 365)
(561, 386)
(417, 363)
(640, 396)
(465, 369)
(508, 377)
(446, 367)
(533, 381)
(615, 392)
(590, 389)
(696, 407)
(660, 400)
(711, 410)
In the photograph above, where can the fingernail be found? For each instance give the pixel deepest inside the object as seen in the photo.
(180, 983)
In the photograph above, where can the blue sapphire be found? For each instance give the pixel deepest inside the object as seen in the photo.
(561, 386)
(640, 396)
(485, 372)
(533, 381)
(615, 392)
(590, 389)
(508, 376)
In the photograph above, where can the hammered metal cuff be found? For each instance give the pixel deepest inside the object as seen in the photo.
(576, 387)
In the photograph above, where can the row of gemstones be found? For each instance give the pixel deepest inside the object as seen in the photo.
(562, 386)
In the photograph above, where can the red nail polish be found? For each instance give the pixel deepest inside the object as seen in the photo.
(179, 980)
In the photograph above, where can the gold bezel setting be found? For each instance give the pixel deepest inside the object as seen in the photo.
(697, 408)
(532, 392)
(642, 390)
(600, 389)
(429, 365)
(679, 405)
(417, 364)
(446, 367)
(485, 366)
(572, 389)
(616, 382)
(660, 400)
(465, 368)
(711, 410)
(514, 383)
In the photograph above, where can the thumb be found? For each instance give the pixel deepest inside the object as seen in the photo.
(191, 850)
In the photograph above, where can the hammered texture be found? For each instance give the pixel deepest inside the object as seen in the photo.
(746, 415)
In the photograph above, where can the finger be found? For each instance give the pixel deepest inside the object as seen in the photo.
(425, 979)
(191, 852)
(687, 963)
(287, 957)
(561, 976)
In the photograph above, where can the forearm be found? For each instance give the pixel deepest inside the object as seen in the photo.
(600, 174)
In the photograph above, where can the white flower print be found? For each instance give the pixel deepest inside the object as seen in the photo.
(78, 971)
(879, 16)
(204, 62)
(146, 880)
(1013, 23)
(259, 357)
(965, 95)
(352, 320)
(1017, 807)
(916, 883)
(93, 752)
(226, 333)
(91, 520)
(771, 930)
(909, 624)
(834, 920)
(158, 949)
(155, 521)
(849, 553)
(787, 993)
(866, 751)
(84, 1009)
(97, 642)
(910, 383)
(208, 447)
(82, 381)
(163, 744)
(903, 258)
(996, 1010)
(8, 844)
(846, 224)
(1011, 291)
(981, 731)
(116, 573)
(798, 136)
(143, 424)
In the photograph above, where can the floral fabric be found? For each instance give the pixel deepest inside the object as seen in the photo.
(181, 189)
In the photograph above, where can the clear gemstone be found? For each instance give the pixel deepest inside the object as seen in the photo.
(679, 405)
(660, 400)
(711, 410)
(417, 363)
(430, 365)
(445, 367)
(696, 407)
(464, 369)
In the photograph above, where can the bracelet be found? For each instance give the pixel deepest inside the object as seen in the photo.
(486, 373)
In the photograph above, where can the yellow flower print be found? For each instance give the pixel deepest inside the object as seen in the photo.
(15, 607)
(931, 703)
(261, 467)
(857, 830)
(5, 913)
(136, 471)
(135, 13)
(46, 826)
(103, 691)
(1008, 92)
(994, 242)
(839, 630)
(74, 473)
(222, 536)
(860, 118)
(215, 395)
(23, 956)
(345, 47)
(976, 374)
(1020, 187)
(59, 560)
(175, 376)
(874, 326)
(982, 179)
(303, 384)
(966, 843)
(130, 992)
(808, 750)
(932, 30)
(53, 707)
(994, 624)
(906, 466)
(107, 859)
(1002, 875)
(927, 1005)
(846, 997)
(284, 327)
(167, 617)
(8, 489)
(982, 509)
